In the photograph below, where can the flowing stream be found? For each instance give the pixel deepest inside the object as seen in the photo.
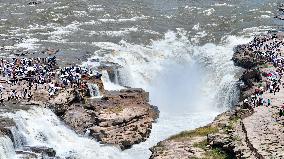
(40, 127)
(94, 90)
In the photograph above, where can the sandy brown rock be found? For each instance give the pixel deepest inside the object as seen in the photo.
(61, 103)
(170, 149)
(131, 125)
(120, 118)
(79, 118)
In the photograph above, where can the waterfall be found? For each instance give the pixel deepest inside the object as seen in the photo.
(105, 76)
(7, 150)
(18, 140)
(108, 85)
(189, 83)
(94, 90)
(40, 127)
(116, 77)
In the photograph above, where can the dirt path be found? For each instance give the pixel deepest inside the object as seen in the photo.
(263, 131)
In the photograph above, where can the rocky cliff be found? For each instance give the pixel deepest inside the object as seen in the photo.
(120, 118)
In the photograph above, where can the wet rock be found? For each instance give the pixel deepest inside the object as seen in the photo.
(281, 17)
(45, 151)
(281, 7)
(34, 3)
(50, 51)
(60, 103)
(245, 58)
(98, 82)
(79, 118)
(5, 127)
(27, 154)
(178, 149)
(121, 118)
(108, 66)
(250, 76)
(36, 152)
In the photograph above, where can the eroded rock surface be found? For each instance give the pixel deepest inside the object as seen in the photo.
(120, 118)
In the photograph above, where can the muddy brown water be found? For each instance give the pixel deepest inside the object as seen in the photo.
(81, 29)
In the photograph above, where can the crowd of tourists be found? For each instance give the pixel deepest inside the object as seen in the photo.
(267, 48)
(25, 76)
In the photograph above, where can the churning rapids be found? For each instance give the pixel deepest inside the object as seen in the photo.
(179, 51)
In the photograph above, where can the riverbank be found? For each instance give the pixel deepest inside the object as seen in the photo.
(77, 96)
(253, 128)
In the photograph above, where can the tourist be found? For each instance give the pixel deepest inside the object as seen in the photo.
(280, 112)
(268, 102)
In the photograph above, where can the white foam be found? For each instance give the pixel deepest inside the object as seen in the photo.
(198, 35)
(80, 13)
(265, 16)
(122, 32)
(223, 4)
(267, 11)
(28, 44)
(39, 10)
(67, 29)
(7, 150)
(253, 10)
(209, 11)
(41, 127)
(108, 85)
(252, 31)
(96, 8)
(60, 32)
(61, 7)
(132, 19)
(92, 22)
(196, 26)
